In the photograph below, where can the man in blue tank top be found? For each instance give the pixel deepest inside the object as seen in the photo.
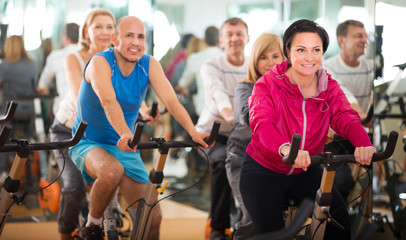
(110, 97)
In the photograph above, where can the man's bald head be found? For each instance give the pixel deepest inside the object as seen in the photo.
(125, 20)
(130, 39)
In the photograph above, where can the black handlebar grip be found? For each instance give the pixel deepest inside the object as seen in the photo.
(294, 149)
(5, 134)
(368, 118)
(213, 134)
(390, 147)
(137, 135)
(154, 110)
(10, 110)
(79, 133)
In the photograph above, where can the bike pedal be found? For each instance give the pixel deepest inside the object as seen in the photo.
(112, 235)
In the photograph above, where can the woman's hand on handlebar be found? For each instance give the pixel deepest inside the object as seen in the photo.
(302, 160)
(330, 136)
(199, 137)
(363, 155)
(122, 143)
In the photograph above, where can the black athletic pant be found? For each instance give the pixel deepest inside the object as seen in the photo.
(220, 188)
(265, 192)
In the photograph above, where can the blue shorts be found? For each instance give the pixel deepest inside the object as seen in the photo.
(133, 165)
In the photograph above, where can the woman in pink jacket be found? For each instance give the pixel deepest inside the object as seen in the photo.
(296, 96)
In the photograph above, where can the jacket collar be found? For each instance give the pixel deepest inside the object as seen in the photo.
(323, 80)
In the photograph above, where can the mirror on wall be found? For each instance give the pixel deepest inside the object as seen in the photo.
(168, 20)
(390, 84)
(268, 16)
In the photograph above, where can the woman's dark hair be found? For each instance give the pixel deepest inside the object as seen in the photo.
(185, 39)
(303, 26)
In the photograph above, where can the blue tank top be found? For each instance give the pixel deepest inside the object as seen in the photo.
(130, 92)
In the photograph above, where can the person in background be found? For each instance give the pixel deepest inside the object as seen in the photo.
(18, 78)
(349, 67)
(180, 56)
(191, 75)
(194, 45)
(220, 77)
(95, 36)
(112, 91)
(54, 68)
(40, 54)
(297, 96)
(354, 73)
(266, 53)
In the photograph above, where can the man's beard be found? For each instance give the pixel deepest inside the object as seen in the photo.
(126, 59)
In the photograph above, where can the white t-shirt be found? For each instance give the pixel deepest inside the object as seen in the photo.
(67, 107)
(54, 69)
(192, 73)
(358, 80)
(220, 78)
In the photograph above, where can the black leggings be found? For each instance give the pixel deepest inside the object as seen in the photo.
(265, 192)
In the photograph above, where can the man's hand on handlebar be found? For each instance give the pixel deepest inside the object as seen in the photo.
(145, 113)
(363, 155)
(122, 143)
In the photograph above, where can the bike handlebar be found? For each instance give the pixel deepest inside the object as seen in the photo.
(369, 116)
(153, 112)
(10, 110)
(48, 145)
(339, 159)
(137, 135)
(294, 149)
(170, 144)
(5, 134)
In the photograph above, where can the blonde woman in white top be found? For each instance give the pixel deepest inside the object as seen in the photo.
(95, 37)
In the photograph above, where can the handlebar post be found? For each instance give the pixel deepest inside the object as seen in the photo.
(330, 164)
(22, 146)
(140, 218)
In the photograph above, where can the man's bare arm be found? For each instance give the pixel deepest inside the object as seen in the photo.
(167, 95)
(98, 74)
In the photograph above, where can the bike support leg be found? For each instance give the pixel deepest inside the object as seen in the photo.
(10, 187)
(323, 202)
(142, 222)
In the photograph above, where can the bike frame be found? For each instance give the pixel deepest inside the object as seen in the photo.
(323, 200)
(22, 147)
(140, 216)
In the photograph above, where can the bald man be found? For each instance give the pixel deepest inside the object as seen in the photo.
(114, 86)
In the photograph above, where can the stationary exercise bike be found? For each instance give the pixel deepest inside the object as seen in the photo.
(321, 210)
(9, 192)
(140, 215)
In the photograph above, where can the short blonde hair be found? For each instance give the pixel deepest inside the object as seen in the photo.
(84, 40)
(14, 49)
(263, 44)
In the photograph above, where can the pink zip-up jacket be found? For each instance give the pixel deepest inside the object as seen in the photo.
(278, 110)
